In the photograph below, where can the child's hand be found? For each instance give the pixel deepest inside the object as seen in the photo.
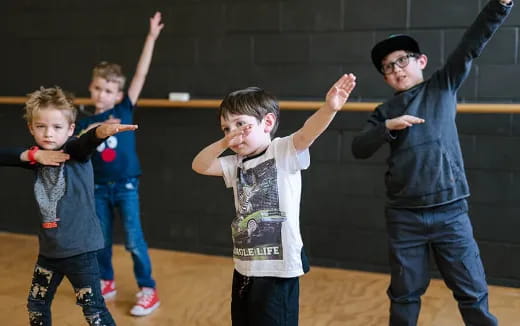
(155, 25)
(340, 91)
(112, 120)
(402, 122)
(108, 129)
(237, 136)
(54, 158)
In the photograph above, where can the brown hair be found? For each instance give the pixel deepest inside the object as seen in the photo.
(252, 101)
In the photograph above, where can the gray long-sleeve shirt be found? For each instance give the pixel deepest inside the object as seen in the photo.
(425, 166)
(65, 196)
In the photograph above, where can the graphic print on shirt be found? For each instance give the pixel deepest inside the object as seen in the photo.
(257, 229)
(108, 149)
(49, 188)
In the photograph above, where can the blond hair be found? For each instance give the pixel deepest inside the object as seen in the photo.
(50, 98)
(112, 72)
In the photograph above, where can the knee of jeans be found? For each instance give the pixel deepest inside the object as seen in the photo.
(136, 245)
(474, 284)
(40, 284)
(84, 296)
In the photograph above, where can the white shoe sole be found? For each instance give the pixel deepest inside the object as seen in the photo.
(110, 295)
(144, 312)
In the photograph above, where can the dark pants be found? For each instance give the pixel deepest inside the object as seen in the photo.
(83, 273)
(445, 231)
(264, 301)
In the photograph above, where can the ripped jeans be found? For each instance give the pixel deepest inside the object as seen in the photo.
(83, 273)
(123, 196)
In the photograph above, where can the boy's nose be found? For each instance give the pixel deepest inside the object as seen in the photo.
(397, 68)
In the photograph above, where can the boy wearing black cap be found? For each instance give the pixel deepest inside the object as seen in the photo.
(426, 185)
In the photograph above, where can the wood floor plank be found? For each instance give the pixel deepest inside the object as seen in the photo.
(195, 290)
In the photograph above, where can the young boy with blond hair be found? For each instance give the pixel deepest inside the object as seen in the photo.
(266, 181)
(117, 168)
(69, 234)
(427, 190)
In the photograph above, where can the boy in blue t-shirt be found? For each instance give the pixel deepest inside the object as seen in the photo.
(117, 168)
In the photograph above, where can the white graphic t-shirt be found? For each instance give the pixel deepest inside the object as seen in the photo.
(267, 190)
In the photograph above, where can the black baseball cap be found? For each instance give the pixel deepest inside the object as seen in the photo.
(393, 43)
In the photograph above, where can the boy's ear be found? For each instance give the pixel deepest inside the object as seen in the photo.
(71, 129)
(120, 95)
(422, 60)
(269, 122)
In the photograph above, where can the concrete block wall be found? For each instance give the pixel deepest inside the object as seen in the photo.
(295, 49)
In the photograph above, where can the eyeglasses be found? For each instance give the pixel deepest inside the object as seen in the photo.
(401, 62)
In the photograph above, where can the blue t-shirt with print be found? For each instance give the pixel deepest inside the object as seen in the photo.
(116, 158)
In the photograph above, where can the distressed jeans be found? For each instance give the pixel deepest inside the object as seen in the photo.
(123, 196)
(83, 273)
(446, 232)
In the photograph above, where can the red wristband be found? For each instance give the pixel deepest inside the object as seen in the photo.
(30, 154)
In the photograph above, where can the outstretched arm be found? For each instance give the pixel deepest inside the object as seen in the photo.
(81, 148)
(137, 83)
(320, 120)
(206, 161)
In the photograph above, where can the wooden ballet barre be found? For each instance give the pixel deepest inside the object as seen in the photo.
(285, 105)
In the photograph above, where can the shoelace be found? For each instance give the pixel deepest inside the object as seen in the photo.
(145, 297)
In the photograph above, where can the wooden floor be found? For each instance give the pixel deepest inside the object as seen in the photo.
(195, 290)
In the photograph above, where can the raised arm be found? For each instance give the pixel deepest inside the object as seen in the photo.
(474, 40)
(320, 120)
(206, 161)
(137, 83)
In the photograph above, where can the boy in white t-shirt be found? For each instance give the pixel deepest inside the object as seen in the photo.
(266, 181)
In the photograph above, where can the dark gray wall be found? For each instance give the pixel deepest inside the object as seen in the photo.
(295, 49)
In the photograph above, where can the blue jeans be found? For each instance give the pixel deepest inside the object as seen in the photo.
(83, 273)
(445, 231)
(123, 196)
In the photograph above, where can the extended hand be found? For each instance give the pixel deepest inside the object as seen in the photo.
(340, 91)
(402, 122)
(108, 129)
(155, 25)
(54, 158)
(237, 136)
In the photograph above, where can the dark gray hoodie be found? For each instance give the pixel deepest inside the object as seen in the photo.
(425, 166)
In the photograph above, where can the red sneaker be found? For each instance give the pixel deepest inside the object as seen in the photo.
(147, 302)
(108, 289)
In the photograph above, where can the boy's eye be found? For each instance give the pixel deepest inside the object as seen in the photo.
(401, 60)
(225, 130)
(240, 123)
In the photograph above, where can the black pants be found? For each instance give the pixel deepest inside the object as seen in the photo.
(264, 301)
